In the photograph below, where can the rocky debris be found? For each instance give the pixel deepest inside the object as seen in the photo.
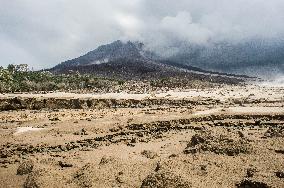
(106, 159)
(280, 174)
(218, 117)
(164, 126)
(251, 172)
(144, 132)
(65, 164)
(81, 132)
(120, 178)
(149, 154)
(248, 183)
(115, 129)
(5, 153)
(281, 151)
(198, 139)
(49, 161)
(25, 167)
(4, 162)
(59, 103)
(165, 179)
(54, 119)
(218, 143)
(275, 131)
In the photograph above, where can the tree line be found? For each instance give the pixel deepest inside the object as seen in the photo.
(19, 78)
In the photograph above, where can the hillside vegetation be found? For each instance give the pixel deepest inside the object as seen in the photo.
(18, 78)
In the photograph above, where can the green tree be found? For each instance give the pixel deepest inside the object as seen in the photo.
(11, 68)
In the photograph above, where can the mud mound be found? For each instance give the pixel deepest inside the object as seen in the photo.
(165, 179)
(25, 168)
(83, 176)
(43, 178)
(228, 144)
(247, 183)
(112, 172)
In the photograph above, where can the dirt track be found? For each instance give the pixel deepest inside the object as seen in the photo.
(225, 137)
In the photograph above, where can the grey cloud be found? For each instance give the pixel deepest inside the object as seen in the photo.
(219, 20)
(44, 33)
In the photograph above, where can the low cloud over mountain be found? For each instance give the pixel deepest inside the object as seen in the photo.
(219, 34)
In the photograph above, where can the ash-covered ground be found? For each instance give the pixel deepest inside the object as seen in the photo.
(230, 136)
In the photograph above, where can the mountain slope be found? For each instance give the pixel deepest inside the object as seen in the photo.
(254, 58)
(118, 59)
(126, 60)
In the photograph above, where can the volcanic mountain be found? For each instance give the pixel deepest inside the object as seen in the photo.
(117, 59)
(128, 60)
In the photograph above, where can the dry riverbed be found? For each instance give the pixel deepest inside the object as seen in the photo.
(230, 136)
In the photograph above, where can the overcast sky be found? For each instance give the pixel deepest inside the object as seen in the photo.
(43, 33)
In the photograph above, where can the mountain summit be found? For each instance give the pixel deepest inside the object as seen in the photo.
(109, 53)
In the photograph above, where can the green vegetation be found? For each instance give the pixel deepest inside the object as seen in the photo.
(18, 78)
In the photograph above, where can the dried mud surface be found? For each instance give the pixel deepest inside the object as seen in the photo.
(222, 137)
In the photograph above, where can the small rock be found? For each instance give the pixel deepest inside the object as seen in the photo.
(63, 148)
(64, 164)
(250, 172)
(149, 154)
(120, 179)
(173, 155)
(130, 144)
(139, 134)
(133, 140)
(158, 167)
(190, 150)
(241, 134)
(54, 119)
(280, 174)
(203, 167)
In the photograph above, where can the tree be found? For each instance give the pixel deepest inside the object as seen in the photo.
(11, 68)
